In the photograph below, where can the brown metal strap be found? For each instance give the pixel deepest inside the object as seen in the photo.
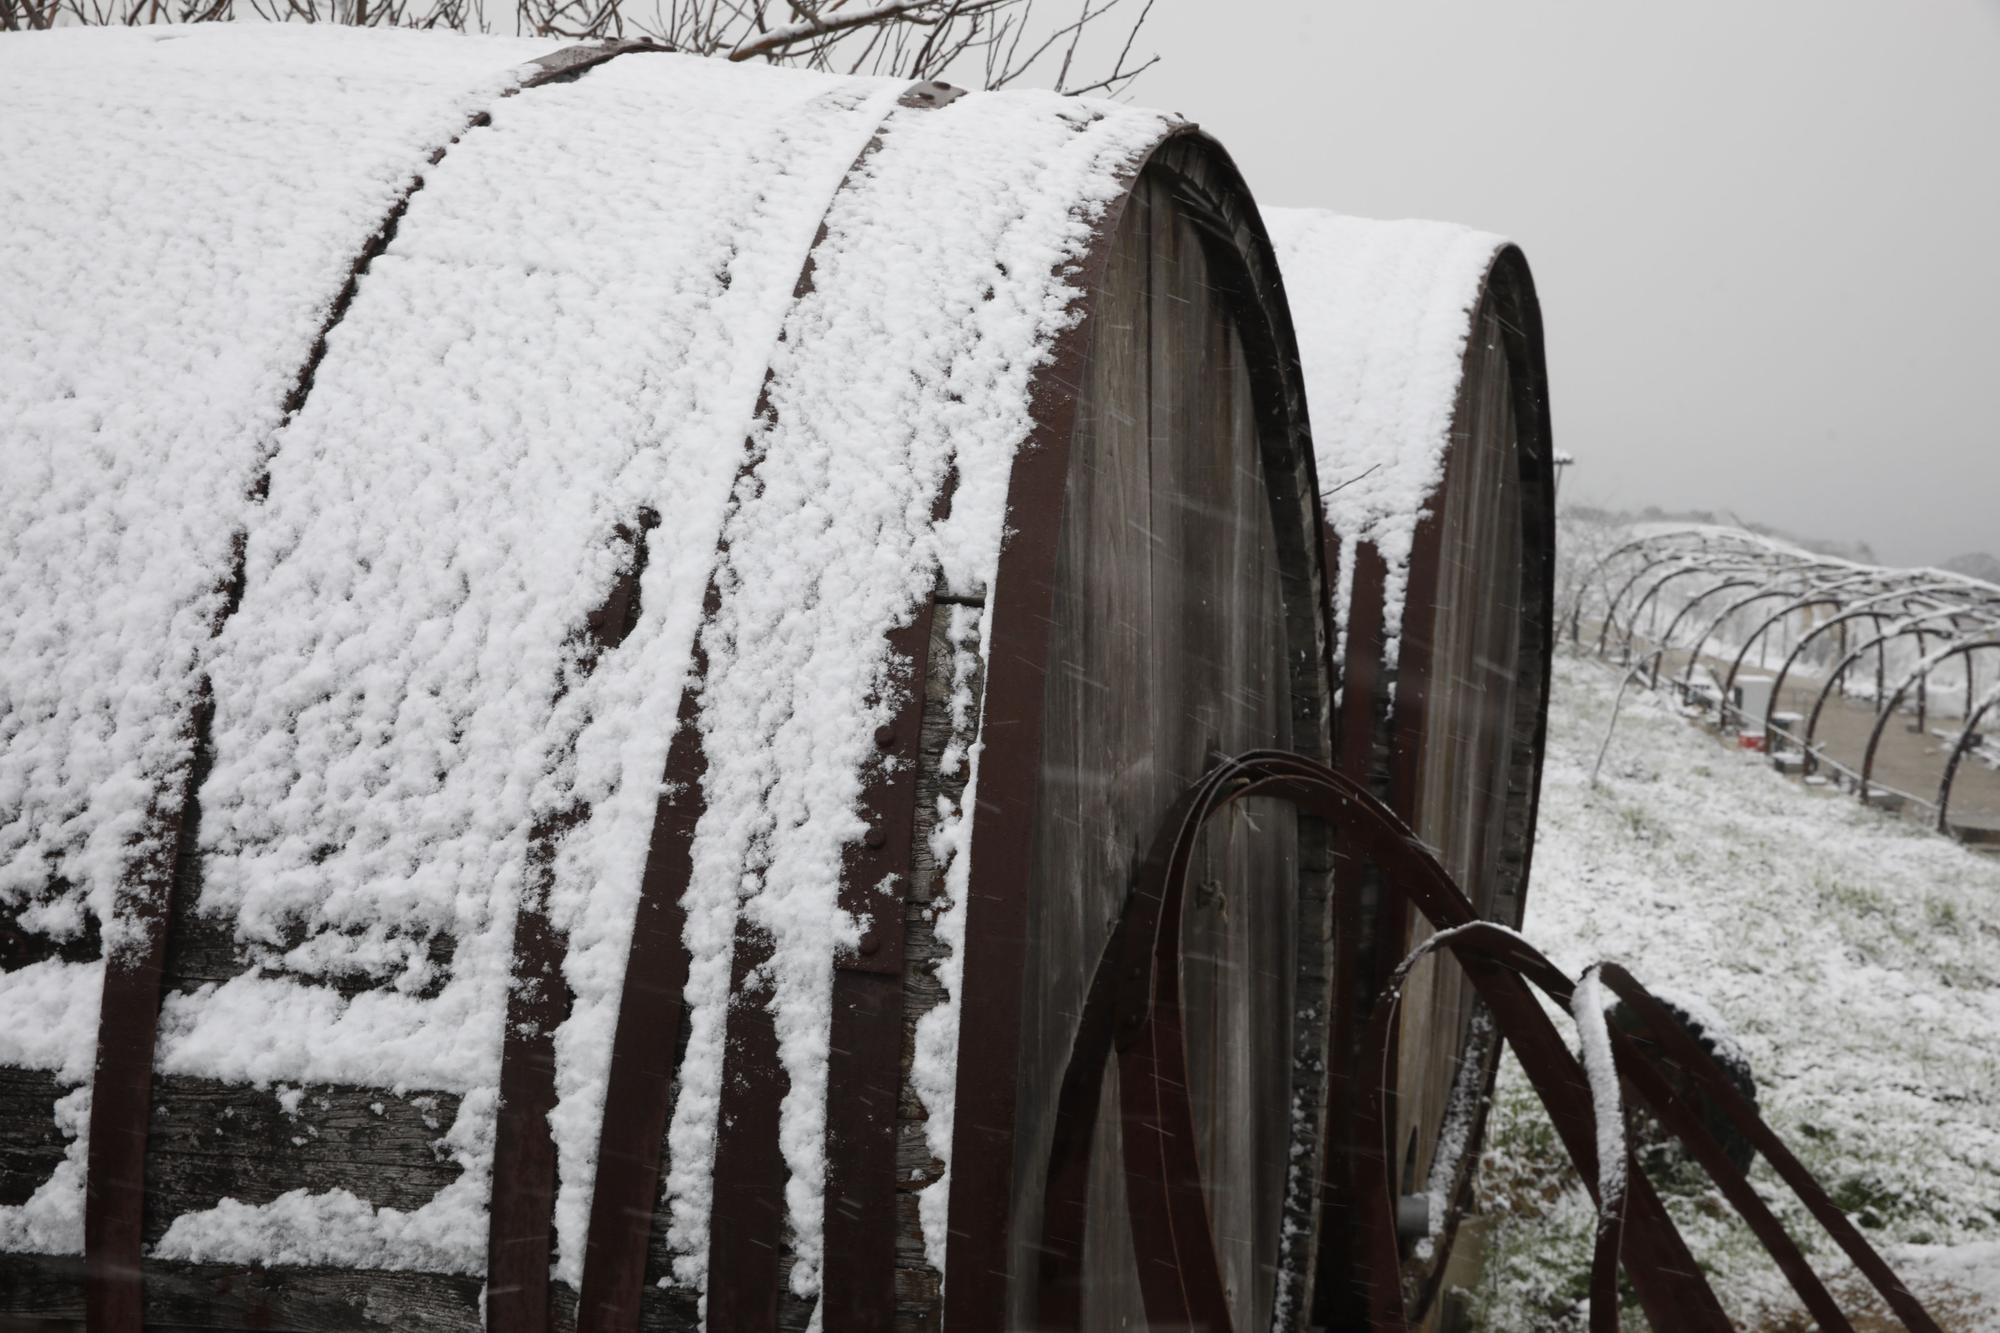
(1681, 1046)
(980, 1221)
(643, 1046)
(1489, 953)
(521, 1238)
(746, 1230)
(122, 1093)
(519, 1228)
(1664, 1274)
(1360, 752)
(748, 1208)
(864, 1074)
(749, 1197)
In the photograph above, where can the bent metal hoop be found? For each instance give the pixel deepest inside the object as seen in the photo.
(1133, 1008)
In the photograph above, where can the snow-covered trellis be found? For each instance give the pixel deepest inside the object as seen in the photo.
(1691, 605)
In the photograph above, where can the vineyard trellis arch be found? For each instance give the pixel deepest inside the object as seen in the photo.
(1725, 593)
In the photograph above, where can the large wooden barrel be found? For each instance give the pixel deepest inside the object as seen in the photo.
(589, 649)
(1422, 348)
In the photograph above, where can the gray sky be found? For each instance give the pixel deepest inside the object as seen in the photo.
(1766, 234)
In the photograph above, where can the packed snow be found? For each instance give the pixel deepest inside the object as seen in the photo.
(1852, 960)
(1382, 311)
(183, 206)
(548, 349)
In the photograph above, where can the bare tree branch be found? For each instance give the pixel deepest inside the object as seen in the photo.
(907, 39)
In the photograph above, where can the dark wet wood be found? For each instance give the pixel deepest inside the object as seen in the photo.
(212, 1141)
(44, 1293)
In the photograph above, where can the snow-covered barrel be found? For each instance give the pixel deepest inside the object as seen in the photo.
(1426, 381)
(587, 651)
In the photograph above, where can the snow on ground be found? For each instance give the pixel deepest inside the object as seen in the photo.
(1856, 959)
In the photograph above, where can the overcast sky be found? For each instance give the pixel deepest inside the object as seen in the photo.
(1766, 234)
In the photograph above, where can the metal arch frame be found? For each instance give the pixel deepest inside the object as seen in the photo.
(1739, 544)
(1914, 627)
(1667, 638)
(1816, 597)
(1857, 609)
(1807, 592)
(1611, 611)
(1584, 584)
(1959, 749)
(1919, 603)
(1888, 706)
(1721, 565)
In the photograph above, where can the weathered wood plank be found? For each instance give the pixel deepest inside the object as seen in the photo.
(31, 1146)
(45, 1293)
(212, 1141)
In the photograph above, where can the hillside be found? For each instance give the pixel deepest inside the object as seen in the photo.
(1856, 960)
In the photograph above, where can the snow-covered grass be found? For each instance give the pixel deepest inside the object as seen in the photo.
(1856, 960)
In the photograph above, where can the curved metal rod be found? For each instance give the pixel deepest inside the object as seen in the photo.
(1916, 627)
(1719, 566)
(1694, 543)
(1959, 749)
(1736, 665)
(1687, 608)
(1575, 616)
(1922, 669)
(1133, 1005)
(1857, 609)
(1611, 612)
(1603, 562)
(1694, 656)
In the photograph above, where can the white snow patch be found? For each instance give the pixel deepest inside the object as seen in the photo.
(181, 214)
(1382, 311)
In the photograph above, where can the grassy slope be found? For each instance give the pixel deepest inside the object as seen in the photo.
(1857, 960)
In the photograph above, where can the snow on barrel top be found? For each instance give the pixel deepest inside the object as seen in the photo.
(1383, 311)
(605, 438)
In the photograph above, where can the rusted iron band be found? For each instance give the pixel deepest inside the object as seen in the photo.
(746, 1230)
(521, 1241)
(1681, 1046)
(864, 1063)
(1361, 755)
(983, 1149)
(122, 1088)
(643, 1045)
(519, 1227)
